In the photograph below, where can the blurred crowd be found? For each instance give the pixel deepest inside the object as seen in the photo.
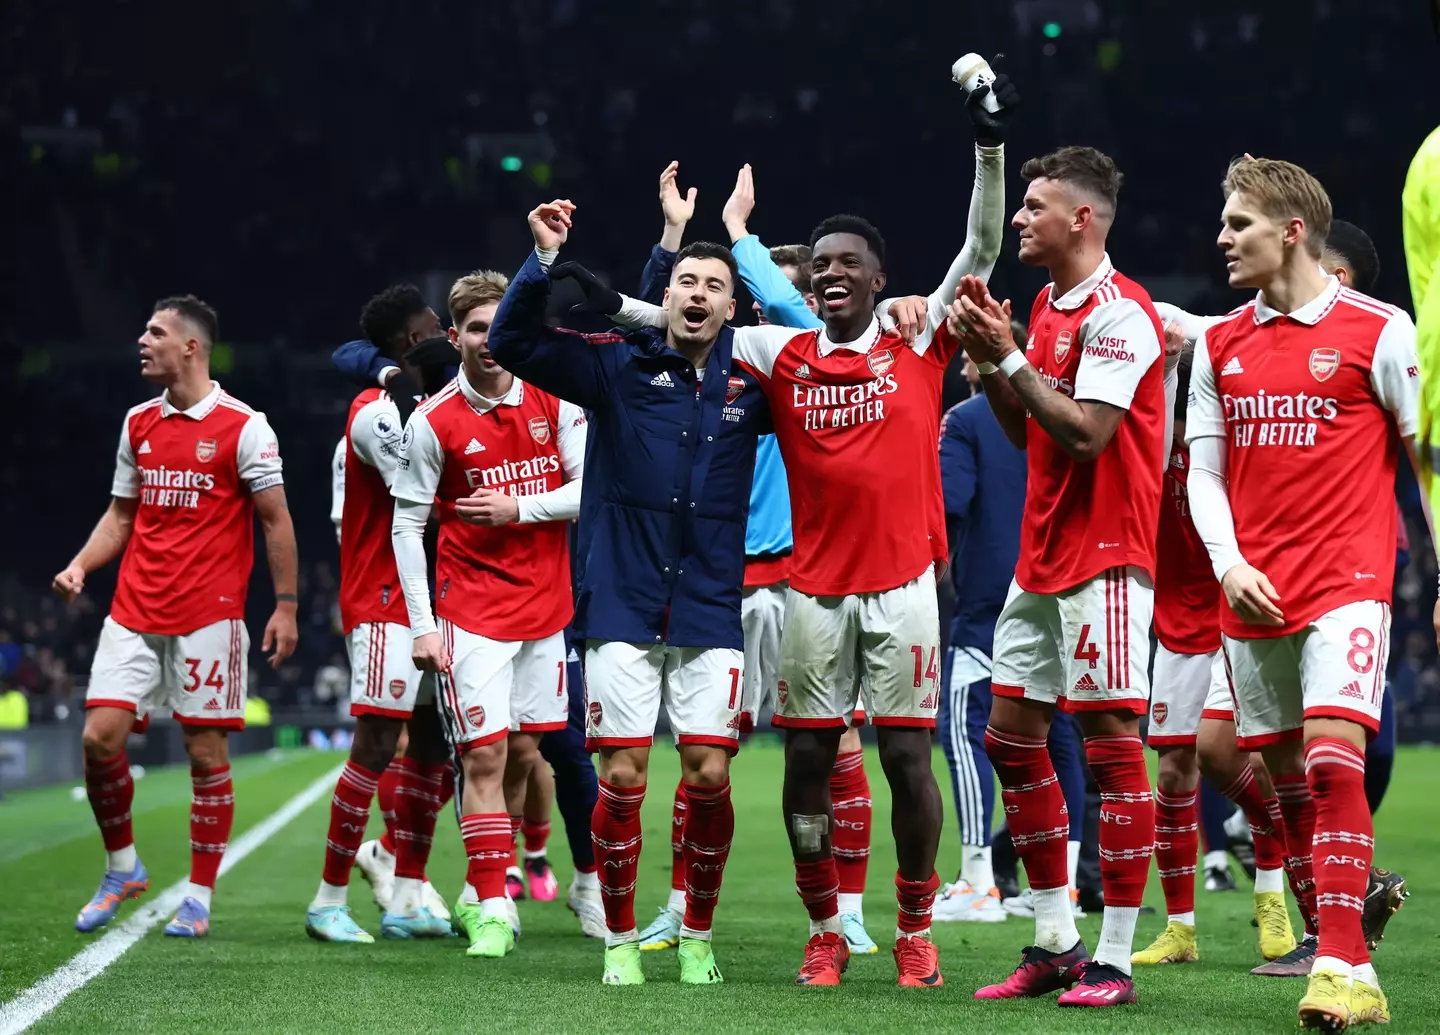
(285, 161)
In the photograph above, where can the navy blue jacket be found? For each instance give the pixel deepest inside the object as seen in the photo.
(984, 477)
(661, 536)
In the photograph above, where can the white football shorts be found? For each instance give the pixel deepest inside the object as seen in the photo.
(626, 683)
(496, 687)
(202, 675)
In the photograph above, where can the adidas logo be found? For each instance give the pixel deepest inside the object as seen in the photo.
(474, 447)
(145, 446)
(803, 370)
(572, 657)
(1352, 689)
(663, 379)
(1085, 682)
(1232, 367)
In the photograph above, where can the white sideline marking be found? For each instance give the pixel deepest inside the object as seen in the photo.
(49, 992)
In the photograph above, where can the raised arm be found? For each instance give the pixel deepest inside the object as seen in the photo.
(777, 296)
(678, 212)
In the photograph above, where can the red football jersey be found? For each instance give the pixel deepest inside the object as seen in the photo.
(1309, 405)
(1099, 342)
(511, 582)
(188, 561)
(857, 425)
(1187, 597)
(369, 583)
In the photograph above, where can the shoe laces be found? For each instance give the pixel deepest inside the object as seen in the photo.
(1305, 947)
(820, 953)
(1101, 975)
(916, 955)
(1274, 922)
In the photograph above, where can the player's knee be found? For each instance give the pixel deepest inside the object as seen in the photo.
(208, 749)
(705, 766)
(904, 752)
(484, 763)
(1178, 771)
(808, 753)
(376, 742)
(105, 734)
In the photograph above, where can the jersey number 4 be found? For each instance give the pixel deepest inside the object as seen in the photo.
(214, 679)
(1086, 650)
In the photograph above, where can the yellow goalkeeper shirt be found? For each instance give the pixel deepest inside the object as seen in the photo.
(1420, 204)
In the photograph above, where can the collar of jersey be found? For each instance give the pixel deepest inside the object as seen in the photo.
(1309, 313)
(485, 405)
(868, 337)
(1076, 296)
(199, 411)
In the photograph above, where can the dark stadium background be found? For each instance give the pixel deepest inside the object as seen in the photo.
(285, 160)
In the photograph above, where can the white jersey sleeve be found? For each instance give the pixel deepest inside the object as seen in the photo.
(419, 462)
(337, 487)
(1118, 345)
(759, 347)
(407, 539)
(375, 436)
(562, 504)
(257, 455)
(1395, 373)
(635, 313)
(1204, 417)
(126, 483)
(1191, 326)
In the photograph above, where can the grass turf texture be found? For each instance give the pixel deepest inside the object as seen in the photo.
(259, 972)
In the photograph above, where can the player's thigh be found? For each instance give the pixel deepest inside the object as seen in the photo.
(1179, 688)
(1026, 658)
(1105, 642)
(1265, 682)
(208, 674)
(127, 670)
(702, 695)
(540, 698)
(1342, 663)
(383, 679)
(622, 693)
(1219, 695)
(900, 653)
(474, 694)
(819, 655)
(762, 617)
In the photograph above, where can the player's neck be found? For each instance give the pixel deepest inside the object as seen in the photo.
(845, 329)
(1075, 267)
(697, 354)
(1294, 285)
(188, 389)
(492, 384)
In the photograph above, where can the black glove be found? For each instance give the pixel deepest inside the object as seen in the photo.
(598, 297)
(438, 351)
(990, 125)
(403, 390)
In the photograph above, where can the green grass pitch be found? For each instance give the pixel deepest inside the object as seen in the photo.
(258, 972)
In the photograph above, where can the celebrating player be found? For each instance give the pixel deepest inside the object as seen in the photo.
(385, 686)
(193, 466)
(503, 461)
(1304, 388)
(1085, 398)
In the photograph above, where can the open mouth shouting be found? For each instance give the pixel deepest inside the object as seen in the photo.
(695, 317)
(835, 297)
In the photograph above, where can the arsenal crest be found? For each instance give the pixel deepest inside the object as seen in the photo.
(1324, 363)
(476, 715)
(540, 429)
(595, 714)
(1062, 345)
(782, 691)
(397, 688)
(733, 388)
(1159, 712)
(205, 447)
(881, 362)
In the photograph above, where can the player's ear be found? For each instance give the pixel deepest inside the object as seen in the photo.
(878, 282)
(454, 335)
(730, 310)
(665, 298)
(1084, 216)
(1294, 229)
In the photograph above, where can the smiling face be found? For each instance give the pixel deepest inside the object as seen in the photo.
(845, 276)
(472, 338)
(1047, 219)
(700, 298)
(1253, 242)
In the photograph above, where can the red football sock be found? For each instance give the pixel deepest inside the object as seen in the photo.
(417, 803)
(349, 812)
(850, 835)
(819, 887)
(389, 784)
(1033, 804)
(536, 836)
(677, 831)
(487, 846)
(1344, 845)
(1127, 817)
(1297, 811)
(916, 899)
(709, 826)
(1245, 792)
(615, 833)
(111, 791)
(1270, 839)
(212, 814)
(1177, 843)
(515, 822)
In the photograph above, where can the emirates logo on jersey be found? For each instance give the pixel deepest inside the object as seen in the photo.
(733, 388)
(1324, 363)
(881, 362)
(1158, 712)
(205, 447)
(476, 715)
(397, 688)
(540, 429)
(1062, 345)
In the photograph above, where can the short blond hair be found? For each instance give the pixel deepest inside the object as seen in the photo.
(475, 289)
(1283, 190)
